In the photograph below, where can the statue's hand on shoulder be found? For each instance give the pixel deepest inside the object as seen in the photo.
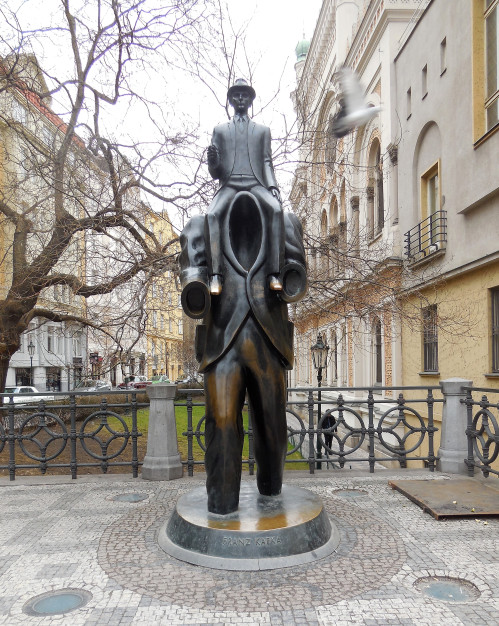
(213, 156)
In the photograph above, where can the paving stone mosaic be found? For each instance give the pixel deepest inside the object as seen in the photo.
(75, 535)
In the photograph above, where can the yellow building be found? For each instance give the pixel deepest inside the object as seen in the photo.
(164, 326)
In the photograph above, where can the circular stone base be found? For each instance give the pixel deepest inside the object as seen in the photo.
(266, 532)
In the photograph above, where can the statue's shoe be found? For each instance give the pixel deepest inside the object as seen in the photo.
(275, 284)
(215, 285)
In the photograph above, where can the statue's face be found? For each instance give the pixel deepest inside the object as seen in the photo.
(241, 101)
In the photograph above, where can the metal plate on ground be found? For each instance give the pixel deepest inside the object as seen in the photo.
(457, 497)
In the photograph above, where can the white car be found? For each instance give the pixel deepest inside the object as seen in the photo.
(93, 385)
(19, 395)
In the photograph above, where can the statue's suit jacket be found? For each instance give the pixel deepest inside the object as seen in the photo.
(245, 291)
(259, 148)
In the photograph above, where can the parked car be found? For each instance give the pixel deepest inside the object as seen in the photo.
(190, 379)
(19, 395)
(134, 382)
(160, 378)
(93, 385)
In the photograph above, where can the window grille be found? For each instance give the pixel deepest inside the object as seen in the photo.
(430, 339)
(495, 330)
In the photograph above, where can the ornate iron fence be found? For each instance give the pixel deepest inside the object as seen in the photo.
(482, 431)
(65, 434)
(370, 429)
(326, 427)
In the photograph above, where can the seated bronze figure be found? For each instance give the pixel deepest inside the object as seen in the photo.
(240, 266)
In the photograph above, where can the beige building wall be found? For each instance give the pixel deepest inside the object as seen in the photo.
(442, 107)
(164, 329)
(335, 193)
(438, 65)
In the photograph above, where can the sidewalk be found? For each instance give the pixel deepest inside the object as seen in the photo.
(57, 534)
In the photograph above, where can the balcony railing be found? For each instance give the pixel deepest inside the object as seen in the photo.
(427, 238)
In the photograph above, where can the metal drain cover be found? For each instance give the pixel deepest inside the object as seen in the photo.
(57, 602)
(350, 493)
(131, 497)
(447, 589)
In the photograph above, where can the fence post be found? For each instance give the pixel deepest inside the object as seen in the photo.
(162, 460)
(453, 440)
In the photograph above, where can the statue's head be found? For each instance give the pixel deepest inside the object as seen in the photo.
(241, 95)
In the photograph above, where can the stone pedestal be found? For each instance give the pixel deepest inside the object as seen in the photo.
(162, 460)
(267, 532)
(453, 440)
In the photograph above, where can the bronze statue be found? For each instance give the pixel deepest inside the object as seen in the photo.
(240, 266)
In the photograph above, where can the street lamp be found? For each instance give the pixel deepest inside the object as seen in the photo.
(31, 351)
(319, 358)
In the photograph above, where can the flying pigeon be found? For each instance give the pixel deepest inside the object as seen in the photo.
(354, 111)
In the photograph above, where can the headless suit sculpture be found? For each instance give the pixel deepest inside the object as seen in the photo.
(240, 266)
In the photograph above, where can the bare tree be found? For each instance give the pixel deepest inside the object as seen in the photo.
(67, 184)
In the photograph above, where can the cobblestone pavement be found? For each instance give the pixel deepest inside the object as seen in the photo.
(56, 534)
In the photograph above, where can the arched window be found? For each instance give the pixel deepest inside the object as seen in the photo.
(324, 248)
(377, 352)
(375, 195)
(334, 357)
(324, 224)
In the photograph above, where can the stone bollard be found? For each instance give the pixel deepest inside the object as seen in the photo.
(453, 440)
(162, 460)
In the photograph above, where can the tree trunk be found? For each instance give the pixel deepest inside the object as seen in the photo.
(4, 368)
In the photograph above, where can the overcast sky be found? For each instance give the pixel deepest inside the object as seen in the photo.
(274, 27)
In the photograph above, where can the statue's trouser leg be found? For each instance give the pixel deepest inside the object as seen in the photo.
(225, 391)
(252, 364)
(273, 209)
(266, 384)
(212, 234)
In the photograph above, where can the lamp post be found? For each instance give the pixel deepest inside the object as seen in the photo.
(31, 351)
(319, 358)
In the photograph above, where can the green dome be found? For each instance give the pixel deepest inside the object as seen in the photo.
(301, 49)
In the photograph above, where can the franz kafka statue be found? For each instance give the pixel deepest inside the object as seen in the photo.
(240, 266)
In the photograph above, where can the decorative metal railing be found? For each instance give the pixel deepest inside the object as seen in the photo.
(482, 430)
(370, 429)
(427, 237)
(63, 434)
(324, 429)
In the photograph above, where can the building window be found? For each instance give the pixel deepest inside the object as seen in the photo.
(50, 339)
(492, 61)
(19, 112)
(408, 103)
(430, 204)
(77, 344)
(155, 319)
(47, 136)
(60, 342)
(334, 358)
(380, 200)
(180, 327)
(375, 195)
(378, 352)
(424, 81)
(495, 329)
(485, 51)
(443, 55)
(430, 339)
